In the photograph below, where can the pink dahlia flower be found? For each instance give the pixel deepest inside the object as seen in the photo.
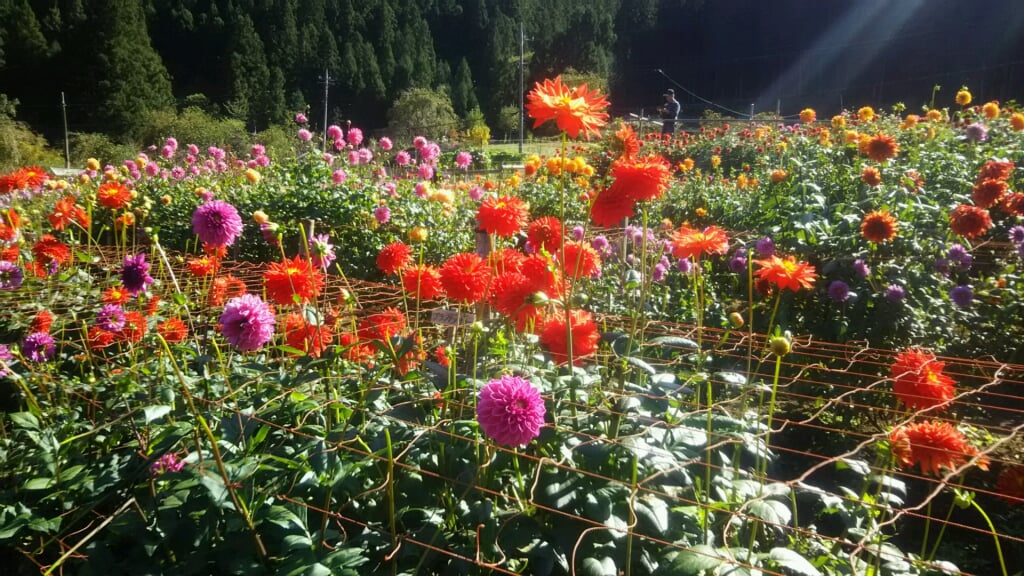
(510, 411)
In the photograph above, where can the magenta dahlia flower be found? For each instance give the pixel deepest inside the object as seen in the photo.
(217, 223)
(510, 411)
(135, 274)
(38, 347)
(247, 322)
(11, 276)
(111, 318)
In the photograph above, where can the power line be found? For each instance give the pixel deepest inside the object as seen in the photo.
(691, 93)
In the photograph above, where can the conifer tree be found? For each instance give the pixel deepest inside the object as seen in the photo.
(130, 78)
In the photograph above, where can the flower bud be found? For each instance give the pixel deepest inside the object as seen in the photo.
(736, 320)
(780, 345)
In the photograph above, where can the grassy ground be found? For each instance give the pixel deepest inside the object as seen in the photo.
(539, 147)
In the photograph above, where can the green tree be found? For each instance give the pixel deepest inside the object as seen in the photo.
(422, 112)
(463, 94)
(508, 121)
(130, 77)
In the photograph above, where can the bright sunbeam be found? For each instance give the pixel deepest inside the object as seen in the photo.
(879, 18)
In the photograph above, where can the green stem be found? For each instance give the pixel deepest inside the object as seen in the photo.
(927, 526)
(771, 414)
(942, 531)
(391, 493)
(995, 535)
(212, 439)
(632, 520)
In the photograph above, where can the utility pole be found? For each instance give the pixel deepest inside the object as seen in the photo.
(522, 85)
(67, 145)
(327, 88)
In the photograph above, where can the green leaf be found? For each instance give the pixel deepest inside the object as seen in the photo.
(859, 466)
(312, 570)
(641, 365)
(792, 563)
(771, 511)
(291, 350)
(153, 413)
(39, 484)
(695, 561)
(218, 491)
(594, 567)
(731, 379)
(69, 474)
(25, 420)
(673, 342)
(653, 513)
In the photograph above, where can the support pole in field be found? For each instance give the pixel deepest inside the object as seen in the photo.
(327, 88)
(522, 85)
(67, 145)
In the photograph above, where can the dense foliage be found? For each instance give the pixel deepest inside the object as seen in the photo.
(199, 377)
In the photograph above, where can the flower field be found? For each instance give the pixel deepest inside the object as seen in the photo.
(747, 349)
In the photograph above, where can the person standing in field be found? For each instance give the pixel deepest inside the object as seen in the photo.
(669, 112)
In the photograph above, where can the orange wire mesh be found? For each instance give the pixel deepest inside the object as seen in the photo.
(819, 381)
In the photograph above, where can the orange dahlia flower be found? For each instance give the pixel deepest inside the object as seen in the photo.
(610, 208)
(1014, 203)
(203, 266)
(225, 288)
(786, 274)
(115, 295)
(512, 295)
(969, 221)
(574, 110)
(310, 338)
(879, 227)
(503, 216)
(1010, 485)
(641, 178)
(31, 177)
(933, 446)
(49, 250)
(293, 281)
(173, 330)
(394, 257)
(918, 381)
(134, 328)
(505, 260)
(997, 170)
(422, 282)
(692, 243)
(98, 338)
(625, 141)
(871, 176)
(583, 335)
(65, 212)
(989, 192)
(808, 115)
(41, 322)
(542, 275)
(383, 325)
(545, 234)
(580, 260)
(1017, 121)
(881, 147)
(465, 277)
(113, 195)
(991, 110)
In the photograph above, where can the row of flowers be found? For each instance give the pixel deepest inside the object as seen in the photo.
(595, 226)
